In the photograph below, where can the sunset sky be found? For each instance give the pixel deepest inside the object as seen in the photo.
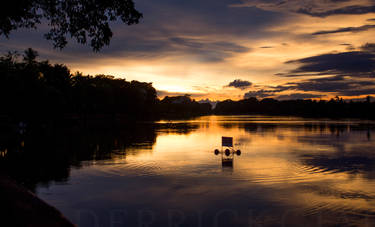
(220, 49)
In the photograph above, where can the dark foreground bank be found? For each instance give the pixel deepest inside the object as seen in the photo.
(20, 207)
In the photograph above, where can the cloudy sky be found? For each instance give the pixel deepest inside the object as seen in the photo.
(220, 49)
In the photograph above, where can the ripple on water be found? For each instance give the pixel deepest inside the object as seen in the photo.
(336, 208)
(326, 195)
(291, 174)
(128, 168)
(319, 190)
(308, 170)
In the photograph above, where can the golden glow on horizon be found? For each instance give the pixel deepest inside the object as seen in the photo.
(181, 72)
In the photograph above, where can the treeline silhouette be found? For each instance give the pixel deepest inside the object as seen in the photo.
(334, 108)
(38, 90)
(31, 89)
(180, 106)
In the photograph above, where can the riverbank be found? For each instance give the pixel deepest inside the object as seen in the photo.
(20, 207)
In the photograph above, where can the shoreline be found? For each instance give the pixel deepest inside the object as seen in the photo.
(21, 207)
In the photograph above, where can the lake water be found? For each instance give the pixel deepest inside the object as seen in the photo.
(291, 172)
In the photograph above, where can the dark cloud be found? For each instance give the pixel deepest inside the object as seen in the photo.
(206, 50)
(349, 47)
(241, 84)
(337, 85)
(315, 8)
(260, 93)
(348, 10)
(353, 63)
(330, 84)
(202, 44)
(266, 47)
(145, 47)
(318, 88)
(137, 46)
(163, 32)
(264, 93)
(295, 96)
(347, 29)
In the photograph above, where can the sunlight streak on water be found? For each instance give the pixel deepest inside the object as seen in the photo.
(318, 167)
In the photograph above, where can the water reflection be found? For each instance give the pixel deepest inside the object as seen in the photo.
(291, 171)
(45, 155)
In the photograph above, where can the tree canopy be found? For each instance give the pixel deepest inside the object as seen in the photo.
(82, 20)
(32, 89)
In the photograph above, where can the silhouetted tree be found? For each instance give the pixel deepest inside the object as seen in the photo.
(32, 89)
(80, 19)
(30, 56)
(182, 106)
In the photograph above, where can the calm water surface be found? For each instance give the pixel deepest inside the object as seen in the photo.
(291, 172)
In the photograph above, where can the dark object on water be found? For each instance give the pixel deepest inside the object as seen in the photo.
(226, 141)
(228, 154)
